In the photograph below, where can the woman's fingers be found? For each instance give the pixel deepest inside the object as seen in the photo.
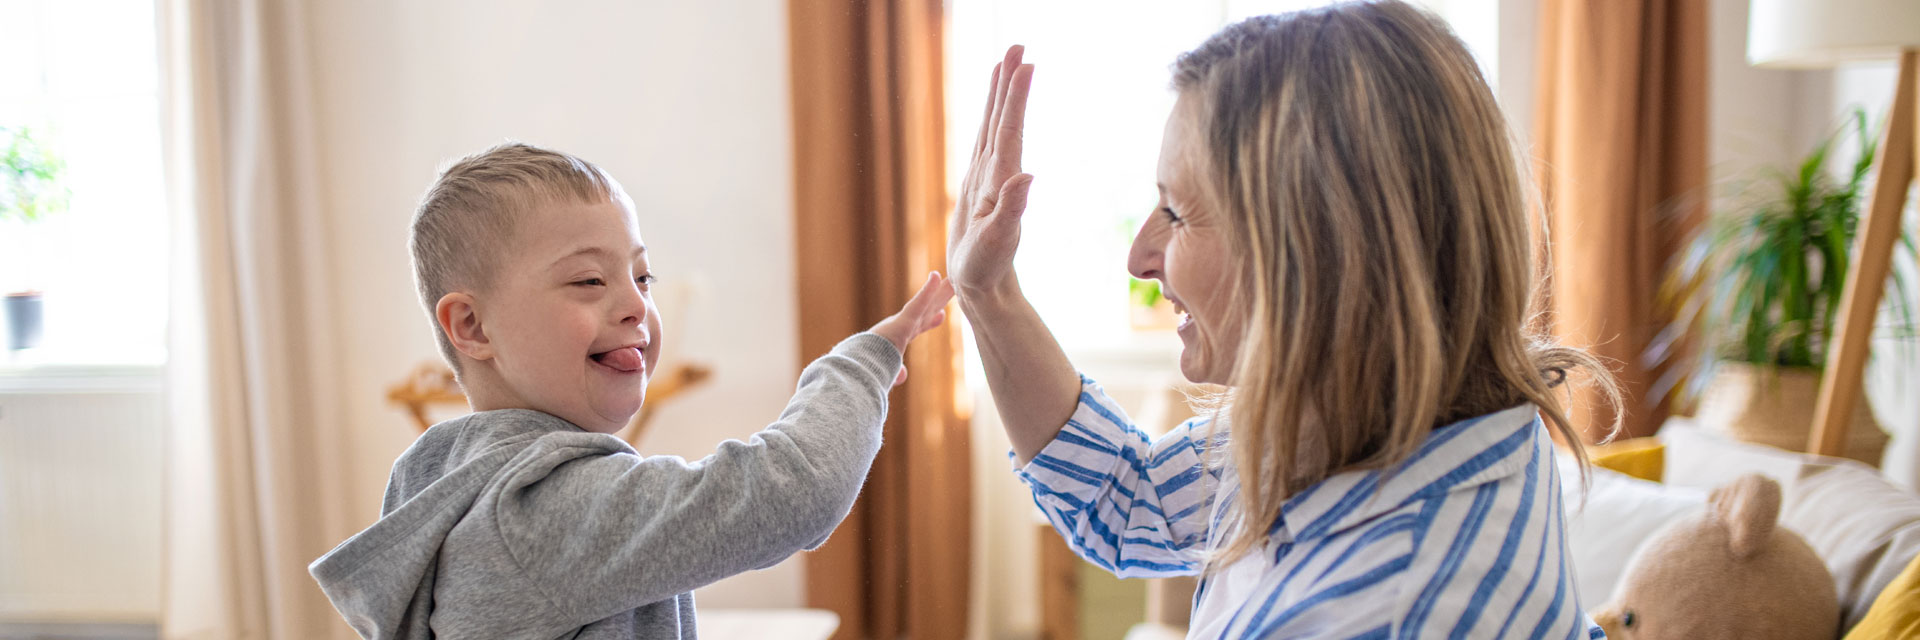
(993, 93)
(1013, 122)
(1013, 196)
(1002, 83)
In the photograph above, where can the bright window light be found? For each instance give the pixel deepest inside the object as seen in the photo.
(83, 76)
(1100, 99)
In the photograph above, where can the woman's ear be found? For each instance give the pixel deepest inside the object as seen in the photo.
(460, 319)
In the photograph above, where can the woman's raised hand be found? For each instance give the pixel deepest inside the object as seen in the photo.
(1034, 386)
(985, 229)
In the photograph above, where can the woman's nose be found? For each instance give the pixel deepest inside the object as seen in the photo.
(1149, 249)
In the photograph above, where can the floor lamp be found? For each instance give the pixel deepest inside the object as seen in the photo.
(1825, 33)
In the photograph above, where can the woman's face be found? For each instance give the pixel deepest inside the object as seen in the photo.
(1184, 245)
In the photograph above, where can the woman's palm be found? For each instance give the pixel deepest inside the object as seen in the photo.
(986, 221)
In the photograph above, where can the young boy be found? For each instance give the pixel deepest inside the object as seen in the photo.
(527, 518)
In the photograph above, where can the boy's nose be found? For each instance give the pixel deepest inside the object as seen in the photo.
(633, 306)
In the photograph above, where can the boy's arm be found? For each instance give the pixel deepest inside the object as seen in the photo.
(605, 533)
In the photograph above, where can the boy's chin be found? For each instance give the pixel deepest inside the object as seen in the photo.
(614, 419)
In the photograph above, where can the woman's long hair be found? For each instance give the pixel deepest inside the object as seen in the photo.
(1379, 220)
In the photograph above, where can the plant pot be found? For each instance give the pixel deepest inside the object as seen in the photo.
(1774, 406)
(24, 320)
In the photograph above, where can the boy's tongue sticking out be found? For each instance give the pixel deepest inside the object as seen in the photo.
(623, 359)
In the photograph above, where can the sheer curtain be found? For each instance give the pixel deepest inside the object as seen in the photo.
(252, 438)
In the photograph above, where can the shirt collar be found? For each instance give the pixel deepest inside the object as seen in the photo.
(1458, 456)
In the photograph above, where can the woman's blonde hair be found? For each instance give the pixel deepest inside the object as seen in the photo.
(1377, 212)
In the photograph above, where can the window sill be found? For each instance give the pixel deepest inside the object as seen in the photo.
(1141, 358)
(17, 376)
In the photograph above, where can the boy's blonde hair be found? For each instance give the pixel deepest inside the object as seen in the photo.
(467, 219)
(1376, 206)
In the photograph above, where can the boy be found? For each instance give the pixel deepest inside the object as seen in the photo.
(527, 518)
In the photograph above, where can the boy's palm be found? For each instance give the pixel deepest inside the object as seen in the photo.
(985, 229)
(925, 311)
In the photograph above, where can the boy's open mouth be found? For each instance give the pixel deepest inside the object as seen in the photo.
(623, 359)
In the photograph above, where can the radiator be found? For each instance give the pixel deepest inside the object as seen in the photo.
(80, 480)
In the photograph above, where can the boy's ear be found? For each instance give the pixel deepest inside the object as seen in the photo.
(460, 319)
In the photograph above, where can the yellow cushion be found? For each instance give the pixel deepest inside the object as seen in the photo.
(1896, 612)
(1643, 458)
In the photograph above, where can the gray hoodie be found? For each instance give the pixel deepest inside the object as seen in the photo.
(518, 524)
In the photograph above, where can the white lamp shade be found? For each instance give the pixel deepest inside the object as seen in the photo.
(1823, 33)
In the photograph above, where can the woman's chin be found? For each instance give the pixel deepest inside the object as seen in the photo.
(1197, 368)
(1194, 369)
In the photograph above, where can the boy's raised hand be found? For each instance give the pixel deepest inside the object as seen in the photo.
(925, 311)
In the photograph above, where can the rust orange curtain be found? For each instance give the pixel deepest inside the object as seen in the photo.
(1621, 141)
(870, 190)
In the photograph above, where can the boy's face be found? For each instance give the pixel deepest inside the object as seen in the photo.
(570, 318)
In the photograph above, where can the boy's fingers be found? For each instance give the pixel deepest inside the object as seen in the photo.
(900, 378)
(933, 294)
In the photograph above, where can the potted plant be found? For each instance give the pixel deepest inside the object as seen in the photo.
(1756, 292)
(32, 187)
(1147, 308)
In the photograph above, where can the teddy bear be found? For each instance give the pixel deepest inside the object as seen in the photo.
(1730, 573)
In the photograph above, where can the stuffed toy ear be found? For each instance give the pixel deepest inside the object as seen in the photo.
(1749, 507)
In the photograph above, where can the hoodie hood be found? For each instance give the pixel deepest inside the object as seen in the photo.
(381, 579)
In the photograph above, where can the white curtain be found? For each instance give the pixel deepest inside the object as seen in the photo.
(254, 447)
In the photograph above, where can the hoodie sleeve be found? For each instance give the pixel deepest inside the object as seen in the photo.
(602, 534)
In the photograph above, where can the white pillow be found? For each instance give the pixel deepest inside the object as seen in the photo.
(1866, 529)
(1619, 513)
(1703, 459)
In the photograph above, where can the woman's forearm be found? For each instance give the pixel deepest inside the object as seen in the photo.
(1034, 386)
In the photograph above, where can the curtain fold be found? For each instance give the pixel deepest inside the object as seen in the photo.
(870, 209)
(253, 448)
(1621, 141)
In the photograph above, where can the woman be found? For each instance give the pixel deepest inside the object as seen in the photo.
(1341, 222)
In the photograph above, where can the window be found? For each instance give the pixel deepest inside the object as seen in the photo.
(83, 77)
(1101, 95)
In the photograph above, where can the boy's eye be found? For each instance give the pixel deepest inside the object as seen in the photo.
(646, 280)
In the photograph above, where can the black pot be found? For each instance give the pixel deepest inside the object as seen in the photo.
(24, 314)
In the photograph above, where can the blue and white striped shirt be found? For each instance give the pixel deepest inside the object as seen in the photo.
(1465, 540)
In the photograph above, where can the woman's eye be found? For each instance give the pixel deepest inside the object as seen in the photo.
(1171, 216)
(646, 280)
(589, 282)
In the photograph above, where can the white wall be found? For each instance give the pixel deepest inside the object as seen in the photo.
(1772, 118)
(1896, 363)
(685, 103)
(1759, 117)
